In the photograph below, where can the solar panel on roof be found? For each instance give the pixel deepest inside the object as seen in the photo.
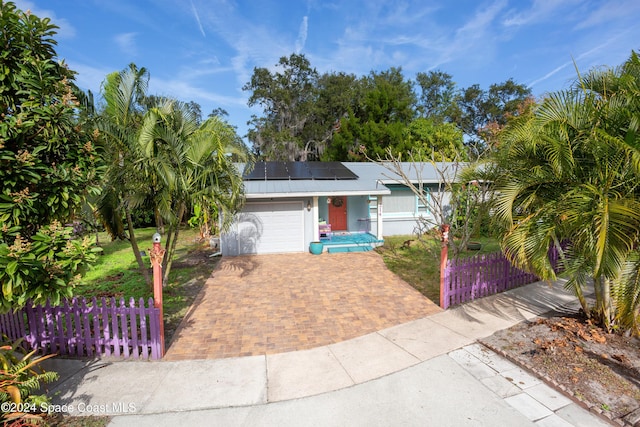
(298, 171)
(331, 170)
(342, 172)
(323, 173)
(277, 170)
(258, 173)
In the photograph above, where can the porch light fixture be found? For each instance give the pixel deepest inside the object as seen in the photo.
(308, 206)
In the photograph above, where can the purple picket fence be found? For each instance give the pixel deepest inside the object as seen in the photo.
(103, 327)
(12, 325)
(483, 275)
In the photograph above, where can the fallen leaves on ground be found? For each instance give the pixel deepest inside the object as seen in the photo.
(601, 369)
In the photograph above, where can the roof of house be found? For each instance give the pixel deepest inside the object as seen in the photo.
(371, 179)
(307, 188)
(425, 172)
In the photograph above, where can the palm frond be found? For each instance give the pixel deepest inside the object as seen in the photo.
(626, 295)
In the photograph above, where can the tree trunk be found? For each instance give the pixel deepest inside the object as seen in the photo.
(576, 289)
(597, 287)
(167, 245)
(159, 221)
(172, 249)
(606, 304)
(170, 237)
(602, 309)
(583, 301)
(136, 251)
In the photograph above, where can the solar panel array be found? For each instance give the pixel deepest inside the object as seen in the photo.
(263, 171)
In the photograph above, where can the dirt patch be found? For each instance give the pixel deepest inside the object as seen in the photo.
(600, 370)
(179, 296)
(195, 257)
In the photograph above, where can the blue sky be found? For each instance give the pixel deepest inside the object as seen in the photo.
(205, 50)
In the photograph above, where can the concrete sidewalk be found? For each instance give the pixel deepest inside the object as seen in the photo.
(426, 372)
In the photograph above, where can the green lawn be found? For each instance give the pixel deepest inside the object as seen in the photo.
(418, 263)
(116, 273)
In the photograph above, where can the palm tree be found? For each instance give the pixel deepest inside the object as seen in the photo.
(190, 164)
(120, 122)
(570, 172)
(160, 151)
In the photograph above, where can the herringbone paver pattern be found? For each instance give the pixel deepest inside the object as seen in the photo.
(268, 304)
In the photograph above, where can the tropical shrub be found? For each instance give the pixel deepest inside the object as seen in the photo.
(47, 162)
(20, 378)
(46, 266)
(570, 172)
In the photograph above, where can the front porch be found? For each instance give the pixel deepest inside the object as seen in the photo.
(346, 241)
(346, 223)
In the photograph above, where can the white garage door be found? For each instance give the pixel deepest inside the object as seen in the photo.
(273, 227)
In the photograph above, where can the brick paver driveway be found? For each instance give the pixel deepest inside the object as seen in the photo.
(268, 304)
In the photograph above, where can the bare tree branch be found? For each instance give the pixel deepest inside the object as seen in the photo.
(450, 202)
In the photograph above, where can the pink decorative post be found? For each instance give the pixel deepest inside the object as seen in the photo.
(157, 254)
(444, 253)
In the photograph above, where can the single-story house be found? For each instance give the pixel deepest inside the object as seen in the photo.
(343, 204)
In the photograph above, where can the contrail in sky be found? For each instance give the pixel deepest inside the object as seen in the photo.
(195, 13)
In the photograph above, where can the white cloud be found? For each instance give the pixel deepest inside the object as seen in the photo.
(181, 89)
(127, 43)
(483, 20)
(302, 34)
(540, 10)
(204, 68)
(472, 40)
(413, 36)
(88, 77)
(612, 11)
(549, 74)
(596, 52)
(252, 43)
(195, 14)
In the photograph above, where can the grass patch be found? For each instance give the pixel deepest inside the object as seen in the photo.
(489, 245)
(116, 274)
(418, 263)
(59, 420)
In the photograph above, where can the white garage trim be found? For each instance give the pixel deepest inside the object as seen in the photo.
(271, 227)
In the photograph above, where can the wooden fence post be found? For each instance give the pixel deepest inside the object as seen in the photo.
(444, 253)
(157, 254)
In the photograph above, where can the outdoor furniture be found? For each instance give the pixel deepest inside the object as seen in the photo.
(324, 230)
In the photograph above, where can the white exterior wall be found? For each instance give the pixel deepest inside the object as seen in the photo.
(290, 227)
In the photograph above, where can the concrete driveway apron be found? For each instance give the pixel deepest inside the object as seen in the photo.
(253, 305)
